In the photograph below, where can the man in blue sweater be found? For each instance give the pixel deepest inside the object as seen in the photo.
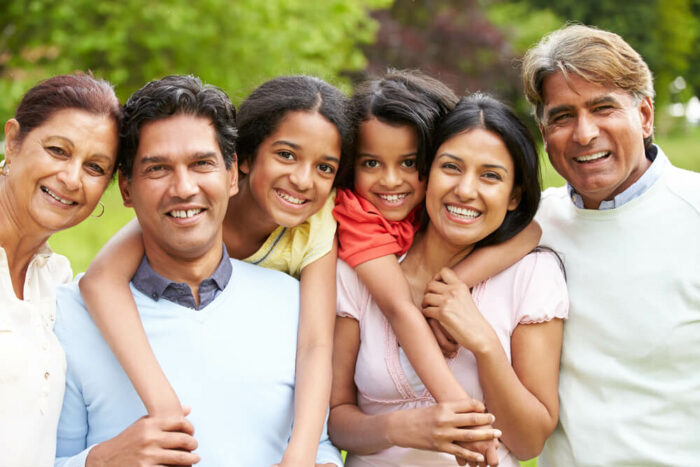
(207, 317)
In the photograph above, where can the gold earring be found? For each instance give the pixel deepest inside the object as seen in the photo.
(102, 211)
(4, 169)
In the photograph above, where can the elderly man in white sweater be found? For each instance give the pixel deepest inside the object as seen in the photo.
(627, 226)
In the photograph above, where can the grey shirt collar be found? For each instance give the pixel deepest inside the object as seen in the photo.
(149, 282)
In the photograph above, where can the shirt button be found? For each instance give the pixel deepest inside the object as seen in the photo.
(154, 296)
(46, 375)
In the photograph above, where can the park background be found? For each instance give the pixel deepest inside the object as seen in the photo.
(237, 44)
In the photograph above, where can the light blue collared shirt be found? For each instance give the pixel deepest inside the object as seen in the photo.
(232, 361)
(658, 162)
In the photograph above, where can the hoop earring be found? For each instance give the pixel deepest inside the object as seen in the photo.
(102, 211)
(4, 169)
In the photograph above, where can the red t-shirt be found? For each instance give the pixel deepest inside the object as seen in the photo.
(364, 234)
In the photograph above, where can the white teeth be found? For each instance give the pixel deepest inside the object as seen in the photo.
(393, 198)
(463, 212)
(591, 157)
(290, 198)
(185, 213)
(56, 197)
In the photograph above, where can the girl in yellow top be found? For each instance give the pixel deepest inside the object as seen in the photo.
(292, 132)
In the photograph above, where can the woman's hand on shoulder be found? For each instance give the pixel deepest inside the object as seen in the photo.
(448, 301)
(459, 428)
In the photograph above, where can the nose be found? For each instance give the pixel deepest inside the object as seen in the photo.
(302, 177)
(184, 184)
(69, 175)
(466, 187)
(586, 129)
(391, 178)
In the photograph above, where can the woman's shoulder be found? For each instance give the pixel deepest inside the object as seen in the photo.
(352, 295)
(57, 265)
(537, 287)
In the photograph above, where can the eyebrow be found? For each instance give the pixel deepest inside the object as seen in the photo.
(369, 154)
(495, 166)
(602, 100)
(63, 138)
(459, 159)
(283, 142)
(158, 159)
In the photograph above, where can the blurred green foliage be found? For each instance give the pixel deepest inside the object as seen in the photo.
(235, 45)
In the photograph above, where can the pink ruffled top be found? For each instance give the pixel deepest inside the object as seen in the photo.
(531, 291)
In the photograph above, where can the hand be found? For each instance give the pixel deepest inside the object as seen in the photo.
(447, 300)
(445, 427)
(151, 440)
(446, 342)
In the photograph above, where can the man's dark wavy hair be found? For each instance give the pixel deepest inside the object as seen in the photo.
(176, 95)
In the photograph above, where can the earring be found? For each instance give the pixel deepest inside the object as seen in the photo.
(102, 210)
(4, 169)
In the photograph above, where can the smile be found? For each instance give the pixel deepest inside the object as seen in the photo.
(67, 202)
(289, 198)
(184, 213)
(393, 198)
(462, 212)
(592, 157)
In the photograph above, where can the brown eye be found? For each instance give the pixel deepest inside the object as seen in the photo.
(409, 163)
(326, 169)
(56, 150)
(96, 168)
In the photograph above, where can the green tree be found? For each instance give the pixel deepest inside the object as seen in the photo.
(234, 45)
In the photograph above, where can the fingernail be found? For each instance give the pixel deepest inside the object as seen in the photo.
(493, 419)
(480, 458)
(498, 433)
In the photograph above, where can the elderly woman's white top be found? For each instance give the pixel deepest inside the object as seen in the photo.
(32, 363)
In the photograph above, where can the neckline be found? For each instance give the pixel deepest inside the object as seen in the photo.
(393, 361)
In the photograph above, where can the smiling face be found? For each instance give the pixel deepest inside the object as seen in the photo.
(293, 171)
(59, 170)
(385, 168)
(594, 135)
(470, 187)
(179, 186)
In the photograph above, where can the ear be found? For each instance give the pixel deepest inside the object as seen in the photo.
(515, 197)
(233, 173)
(12, 139)
(125, 189)
(244, 167)
(646, 116)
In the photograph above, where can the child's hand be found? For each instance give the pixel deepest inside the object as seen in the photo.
(448, 300)
(446, 342)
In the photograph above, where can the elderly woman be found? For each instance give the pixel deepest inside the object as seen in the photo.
(60, 154)
(482, 190)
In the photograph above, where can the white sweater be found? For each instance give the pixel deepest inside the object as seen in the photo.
(630, 372)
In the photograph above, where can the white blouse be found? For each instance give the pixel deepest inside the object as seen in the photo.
(32, 362)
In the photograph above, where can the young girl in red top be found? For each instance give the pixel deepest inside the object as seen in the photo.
(393, 119)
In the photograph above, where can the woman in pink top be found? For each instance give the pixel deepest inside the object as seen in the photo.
(483, 188)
